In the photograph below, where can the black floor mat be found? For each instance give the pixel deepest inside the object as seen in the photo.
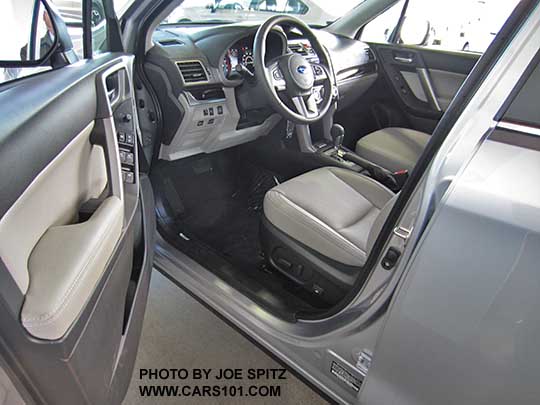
(211, 207)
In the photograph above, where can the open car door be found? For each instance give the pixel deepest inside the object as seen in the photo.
(76, 224)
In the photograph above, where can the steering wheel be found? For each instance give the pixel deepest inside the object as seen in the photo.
(293, 76)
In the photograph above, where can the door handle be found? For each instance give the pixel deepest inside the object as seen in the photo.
(404, 59)
(428, 88)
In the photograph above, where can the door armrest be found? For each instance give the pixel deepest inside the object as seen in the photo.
(65, 267)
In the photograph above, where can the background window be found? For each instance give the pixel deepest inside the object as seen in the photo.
(71, 12)
(380, 29)
(457, 25)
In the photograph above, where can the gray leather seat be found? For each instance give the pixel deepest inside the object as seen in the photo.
(393, 148)
(335, 212)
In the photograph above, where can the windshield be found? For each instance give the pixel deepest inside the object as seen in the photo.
(312, 12)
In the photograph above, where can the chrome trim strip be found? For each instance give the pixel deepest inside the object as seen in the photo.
(526, 129)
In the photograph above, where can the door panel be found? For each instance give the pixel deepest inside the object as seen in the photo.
(79, 174)
(74, 273)
(423, 80)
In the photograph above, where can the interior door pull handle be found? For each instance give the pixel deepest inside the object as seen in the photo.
(403, 59)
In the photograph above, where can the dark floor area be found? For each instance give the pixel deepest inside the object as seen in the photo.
(210, 208)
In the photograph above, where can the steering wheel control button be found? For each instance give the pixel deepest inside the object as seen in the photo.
(317, 70)
(278, 75)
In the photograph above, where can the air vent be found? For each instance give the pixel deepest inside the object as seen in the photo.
(370, 54)
(192, 72)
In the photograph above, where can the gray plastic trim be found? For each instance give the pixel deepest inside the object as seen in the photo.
(191, 138)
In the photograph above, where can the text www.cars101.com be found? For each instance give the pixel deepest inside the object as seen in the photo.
(263, 391)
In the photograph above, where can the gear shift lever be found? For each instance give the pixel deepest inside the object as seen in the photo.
(338, 134)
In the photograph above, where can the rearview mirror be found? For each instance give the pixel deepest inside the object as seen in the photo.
(33, 34)
(414, 31)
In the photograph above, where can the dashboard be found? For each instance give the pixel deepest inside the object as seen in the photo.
(208, 104)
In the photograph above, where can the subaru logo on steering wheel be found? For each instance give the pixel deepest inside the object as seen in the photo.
(301, 69)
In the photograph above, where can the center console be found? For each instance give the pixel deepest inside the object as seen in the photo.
(332, 152)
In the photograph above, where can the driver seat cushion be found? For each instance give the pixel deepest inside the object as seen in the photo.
(333, 211)
(394, 148)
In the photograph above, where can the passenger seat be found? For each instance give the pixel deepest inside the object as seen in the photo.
(394, 149)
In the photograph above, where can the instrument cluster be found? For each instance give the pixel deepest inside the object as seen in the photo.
(239, 54)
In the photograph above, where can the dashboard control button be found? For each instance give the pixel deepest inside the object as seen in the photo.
(205, 112)
(211, 111)
(200, 123)
(211, 121)
(220, 110)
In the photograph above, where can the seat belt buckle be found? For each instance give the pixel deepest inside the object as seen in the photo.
(401, 177)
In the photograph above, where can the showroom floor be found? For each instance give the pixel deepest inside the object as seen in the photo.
(180, 333)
